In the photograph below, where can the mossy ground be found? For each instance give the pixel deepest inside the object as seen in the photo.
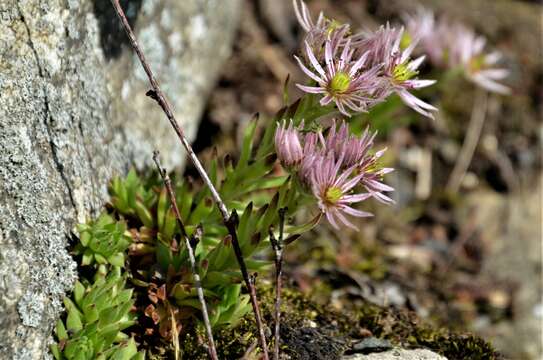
(313, 331)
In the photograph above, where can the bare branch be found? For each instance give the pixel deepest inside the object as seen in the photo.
(196, 276)
(229, 221)
(277, 245)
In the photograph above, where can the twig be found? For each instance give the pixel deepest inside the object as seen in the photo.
(249, 351)
(197, 282)
(473, 134)
(175, 333)
(230, 221)
(277, 245)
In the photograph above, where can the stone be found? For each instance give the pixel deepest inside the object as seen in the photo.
(73, 113)
(371, 345)
(398, 354)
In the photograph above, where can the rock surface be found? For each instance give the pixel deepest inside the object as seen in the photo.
(73, 112)
(398, 354)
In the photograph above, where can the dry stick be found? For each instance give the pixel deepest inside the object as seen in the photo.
(470, 143)
(230, 221)
(277, 245)
(197, 282)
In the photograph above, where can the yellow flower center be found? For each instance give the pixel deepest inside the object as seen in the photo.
(340, 83)
(402, 73)
(406, 40)
(333, 26)
(476, 64)
(332, 195)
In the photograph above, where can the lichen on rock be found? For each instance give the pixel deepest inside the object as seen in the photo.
(63, 134)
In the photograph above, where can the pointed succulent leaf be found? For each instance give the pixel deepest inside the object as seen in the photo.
(116, 259)
(55, 351)
(203, 209)
(169, 225)
(79, 292)
(87, 258)
(73, 321)
(60, 331)
(162, 206)
(143, 214)
(125, 351)
(247, 145)
(217, 278)
(164, 255)
(91, 313)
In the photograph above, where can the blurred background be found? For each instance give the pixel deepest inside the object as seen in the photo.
(460, 248)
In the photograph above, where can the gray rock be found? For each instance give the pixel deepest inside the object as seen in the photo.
(398, 354)
(73, 112)
(371, 345)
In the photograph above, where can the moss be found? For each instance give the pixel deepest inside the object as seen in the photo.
(302, 318)
(405, 329)
(311, 330)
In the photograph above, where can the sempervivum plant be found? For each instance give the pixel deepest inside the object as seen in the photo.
(96, 316)
(103, 241)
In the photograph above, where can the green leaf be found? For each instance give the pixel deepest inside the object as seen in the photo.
(164, 255)
(91, 313)
(87, 257)
(60, 330)
(55, 351)
(162, 207)
(301, 229)
(246, 148)
(100, 259)
(116, 260)
(140, 356)
(203, 209)
(73, 321)
(169, 225)
(217, 278)
(184, 199)
(84, 236)
(79, 291)
(125, 351)
(144, 214)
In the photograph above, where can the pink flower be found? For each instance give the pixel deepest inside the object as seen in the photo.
(350, 147)
(332, 190)
(304, 17)
(341, 79)
(399, 70)
(467, 51)
(453, 45)
(355, 151)
(287, 144)
(317, 32)
(373, 176)
(332, 166)
(433, 36)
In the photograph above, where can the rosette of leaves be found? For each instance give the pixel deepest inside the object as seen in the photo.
(103, 241)
(96, 315)
(133, 198)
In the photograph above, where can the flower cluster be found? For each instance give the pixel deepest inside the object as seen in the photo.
(453, 45)
(357, 71)
(331, 167)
